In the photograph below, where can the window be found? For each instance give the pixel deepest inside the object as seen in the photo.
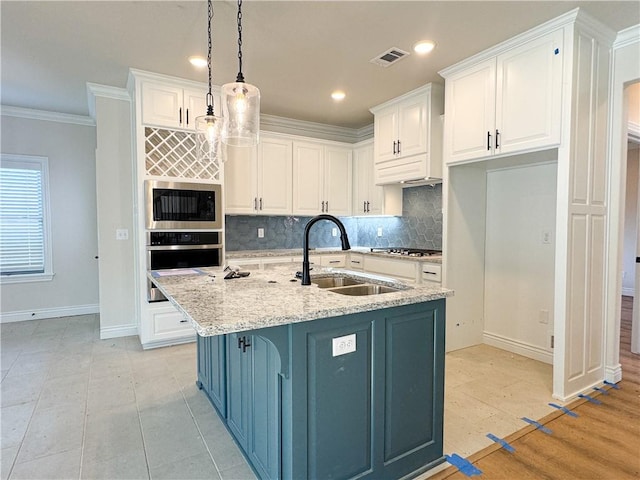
(25, 245)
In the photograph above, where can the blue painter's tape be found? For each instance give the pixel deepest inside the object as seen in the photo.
(538, 425)
(500, 441)
(464, 465)
(564, 409)
(590, 398)
(601, 390)
(612, 385)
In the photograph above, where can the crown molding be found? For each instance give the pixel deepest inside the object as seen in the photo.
(47, 116)
(626, 37)
(273, 123)
(105, 91)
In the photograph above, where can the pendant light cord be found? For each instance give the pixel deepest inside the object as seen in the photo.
(209, 95)
(240, 77)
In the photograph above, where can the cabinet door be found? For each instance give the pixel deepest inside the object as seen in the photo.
(470, 113)
(368, 198)
(195, 105)
(386, 134)
(308, 173)
(338, 171)
(162, 105)
(413, 126)
(240, 180)
(238, 387)
(212, 370)
(275, 172)
(528, 96)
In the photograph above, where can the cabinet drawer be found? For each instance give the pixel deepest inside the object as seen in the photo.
(356, 262)
(338, 261)
(394, 268)
(169, 323)
(431, 272)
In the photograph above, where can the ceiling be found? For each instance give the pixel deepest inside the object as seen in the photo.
(296, 52)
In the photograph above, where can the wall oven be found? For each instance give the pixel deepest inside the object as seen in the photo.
(183, 205)
(167, 250)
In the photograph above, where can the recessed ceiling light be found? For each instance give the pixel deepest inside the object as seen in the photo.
(423, 47)
(338, 95)
(198, 62)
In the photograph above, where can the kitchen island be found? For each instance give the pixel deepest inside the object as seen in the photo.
(315, 384)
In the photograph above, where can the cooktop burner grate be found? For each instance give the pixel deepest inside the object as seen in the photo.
(409, 252)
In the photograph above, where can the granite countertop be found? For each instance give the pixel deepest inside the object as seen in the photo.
(269, 298)
(319, 251)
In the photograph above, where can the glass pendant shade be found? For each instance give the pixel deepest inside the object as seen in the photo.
(241, 113)
(209, 138)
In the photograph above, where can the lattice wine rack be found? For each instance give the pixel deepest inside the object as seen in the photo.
(172, 153)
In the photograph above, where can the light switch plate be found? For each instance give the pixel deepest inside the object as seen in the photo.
(344, 345)
(261, 233)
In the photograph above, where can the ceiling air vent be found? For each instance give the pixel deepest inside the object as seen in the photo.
(389, 57)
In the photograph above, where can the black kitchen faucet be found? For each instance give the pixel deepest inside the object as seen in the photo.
(306, 278)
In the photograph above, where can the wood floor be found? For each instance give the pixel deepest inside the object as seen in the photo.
(602, 442)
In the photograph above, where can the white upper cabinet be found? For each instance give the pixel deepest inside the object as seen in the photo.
(322, 176)
(367, 196)
(169, 106)
(408, 136)
(507, 103)
(259, 181)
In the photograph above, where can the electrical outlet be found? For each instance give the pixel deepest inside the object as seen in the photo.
(546, 237)
(261, 233)
(379, 231)
(334, 232)
(122, 234)
(344, 345)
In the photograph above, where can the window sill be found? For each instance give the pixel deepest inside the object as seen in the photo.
(26, 278)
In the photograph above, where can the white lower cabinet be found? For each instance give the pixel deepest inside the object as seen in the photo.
(402, 269)
(166, 326)
(431, 272)
(356, 261)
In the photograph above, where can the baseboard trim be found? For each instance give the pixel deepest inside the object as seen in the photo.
(613, 374)
(515, 346)
(21, 316)
(118, 331)
(628, 292)
(169, 342)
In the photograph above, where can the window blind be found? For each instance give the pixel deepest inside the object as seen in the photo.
(22, 217)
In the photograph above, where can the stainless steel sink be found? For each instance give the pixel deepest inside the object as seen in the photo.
(365, 289)
(330, 282)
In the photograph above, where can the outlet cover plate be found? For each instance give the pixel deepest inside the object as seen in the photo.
(344, 345)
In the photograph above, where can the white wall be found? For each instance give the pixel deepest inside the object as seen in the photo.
(630, 223)
(71, 152)
(114, 185)
(519, 259)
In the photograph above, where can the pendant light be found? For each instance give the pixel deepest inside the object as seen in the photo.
(209, 126)
(240, 104)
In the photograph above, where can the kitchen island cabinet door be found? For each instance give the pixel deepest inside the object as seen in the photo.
(238, 386)
(212, 370)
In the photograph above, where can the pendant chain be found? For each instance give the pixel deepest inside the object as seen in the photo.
(240, 76)
(209, 95)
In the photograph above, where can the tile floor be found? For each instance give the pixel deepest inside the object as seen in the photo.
(75, 406)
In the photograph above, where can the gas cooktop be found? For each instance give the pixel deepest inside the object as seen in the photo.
(408, 252)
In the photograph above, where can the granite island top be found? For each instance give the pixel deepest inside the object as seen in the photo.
(231, 255)
(268, 298)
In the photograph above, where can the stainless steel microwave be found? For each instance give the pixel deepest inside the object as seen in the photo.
(183, 205)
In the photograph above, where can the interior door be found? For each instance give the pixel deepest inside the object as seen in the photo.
(635, 321)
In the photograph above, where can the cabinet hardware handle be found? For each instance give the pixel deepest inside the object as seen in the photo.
(260, 203)
(334, 261)
(255, 203)
(488, 140)
(322, 210)
(398, 147)
(430, 273)
(180, 115)
(368, 210)
(183, 321)
(187, 116)
(364, 207)
(326, 206)
(497, 138)
(355, 261)
(243, 343)
(394, 147)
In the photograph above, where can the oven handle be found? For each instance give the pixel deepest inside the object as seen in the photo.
(183, 247)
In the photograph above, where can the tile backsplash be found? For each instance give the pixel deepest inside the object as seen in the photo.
(419, 227)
